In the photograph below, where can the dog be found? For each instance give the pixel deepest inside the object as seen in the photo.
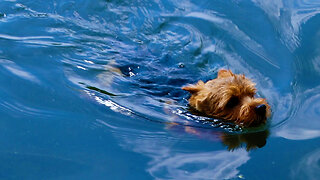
(229, 97)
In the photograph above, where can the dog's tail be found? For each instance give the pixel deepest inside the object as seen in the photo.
(194, 88)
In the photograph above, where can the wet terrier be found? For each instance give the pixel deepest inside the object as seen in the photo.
(229, 97)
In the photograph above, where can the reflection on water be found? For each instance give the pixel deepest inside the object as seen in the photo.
(308, 167)
(208, 165)
(305, 124)
(193, 163)
(124, 63)
(249, 140)
(289, 16)
(165, 163)
(13, 68)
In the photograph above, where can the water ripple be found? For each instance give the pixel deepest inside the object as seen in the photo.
(211, 165)
(308, 166)
(23, 110)
(18, 71)
(149, 64)
(289, 16)
(234, 30)
(304, 124)
(112, 72)
(36, 40)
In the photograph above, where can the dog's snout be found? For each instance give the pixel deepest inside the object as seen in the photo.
(261, 109)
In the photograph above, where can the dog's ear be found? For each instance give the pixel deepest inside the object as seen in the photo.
(194, 88)
(223, 73)
(191, 89)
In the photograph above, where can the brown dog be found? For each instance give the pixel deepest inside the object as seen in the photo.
(229, 97)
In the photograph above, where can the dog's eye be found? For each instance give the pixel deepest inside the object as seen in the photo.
(232, 102)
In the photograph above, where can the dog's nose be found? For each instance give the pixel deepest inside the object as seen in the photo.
(261, 109)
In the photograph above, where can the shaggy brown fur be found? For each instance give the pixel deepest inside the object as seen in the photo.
(229, 97)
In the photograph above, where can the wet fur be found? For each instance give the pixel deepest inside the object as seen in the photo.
(213, 99)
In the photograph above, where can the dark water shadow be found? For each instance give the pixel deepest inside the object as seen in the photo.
(249, 141)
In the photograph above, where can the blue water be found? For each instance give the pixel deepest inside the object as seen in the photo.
(92, 89)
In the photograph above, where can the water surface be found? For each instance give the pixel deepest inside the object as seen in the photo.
(92, 89)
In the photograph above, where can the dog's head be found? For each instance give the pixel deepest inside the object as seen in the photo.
(230, 97)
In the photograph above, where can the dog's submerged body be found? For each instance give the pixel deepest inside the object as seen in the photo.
(229, 97)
